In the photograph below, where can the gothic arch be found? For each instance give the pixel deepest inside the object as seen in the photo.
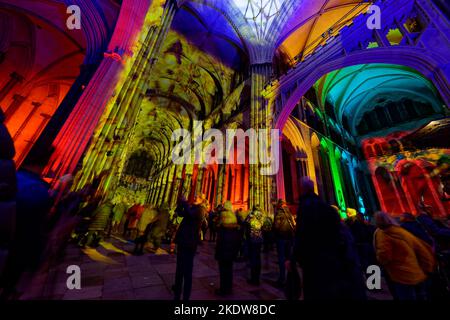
(422, 60)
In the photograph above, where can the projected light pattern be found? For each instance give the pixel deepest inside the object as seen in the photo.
(260, 13)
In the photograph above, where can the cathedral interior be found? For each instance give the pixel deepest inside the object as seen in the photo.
(362, 110)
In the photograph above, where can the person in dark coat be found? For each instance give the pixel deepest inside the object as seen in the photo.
(187, 240)
(409, 222)
(227, 247)
(284, 230)
(254, 223)
(325, 250)
(33, 208)
(212, 221)
(362, 234)
(439, 232)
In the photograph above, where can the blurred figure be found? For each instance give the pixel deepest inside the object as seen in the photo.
(227, 247)
(242, 216)
(212, 222)
(325, 251)
(159, 227)
(406, 259)
(98, 224)
(30, 233)
(8, 189)
(408, 222)
(267, 232)
(187, 240)
(132, 218)
(436, 229)
(119, 211)
(284, 230)
(148, 217)
(204, 227)
(362, 233)
(254, 223)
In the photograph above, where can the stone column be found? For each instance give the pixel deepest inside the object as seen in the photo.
(77, 131)
(220, 182)
(125, 110)
(260, 186)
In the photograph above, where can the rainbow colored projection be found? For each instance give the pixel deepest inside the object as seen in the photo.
(361, 112)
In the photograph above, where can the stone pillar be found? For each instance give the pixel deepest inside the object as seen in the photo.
(77, 131)
(220, 183)
(125, 110)
(260, 186)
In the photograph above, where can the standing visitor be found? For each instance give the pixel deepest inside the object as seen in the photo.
(160, 227)
(227, 247)
(407, 260)
(325, 251)
(362, 234)
(254, 222)
(284, 230)
(212, 222)
(187, 240)
(132, 218)
(241, 217)
(118, 212)
(267, 232)
(148, 217)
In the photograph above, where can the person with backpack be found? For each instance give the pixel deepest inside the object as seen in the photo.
(284, 230)
(254, 223)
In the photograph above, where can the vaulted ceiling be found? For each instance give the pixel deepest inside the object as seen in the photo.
(356, 90)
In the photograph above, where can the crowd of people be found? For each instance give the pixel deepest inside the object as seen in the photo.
(332, 254)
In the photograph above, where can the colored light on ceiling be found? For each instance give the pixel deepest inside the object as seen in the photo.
(354, 90)
(259, 14)
(313, 19)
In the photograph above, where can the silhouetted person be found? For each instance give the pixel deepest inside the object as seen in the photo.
(408, 222)
(187, 240)
(212, 220)
(148, 217)
(254, 223)
(159, 228)
(227, 247)
(284, 231)
(362, 234)
(325, 251)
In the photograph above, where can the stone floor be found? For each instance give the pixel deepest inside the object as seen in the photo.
(110, 272)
